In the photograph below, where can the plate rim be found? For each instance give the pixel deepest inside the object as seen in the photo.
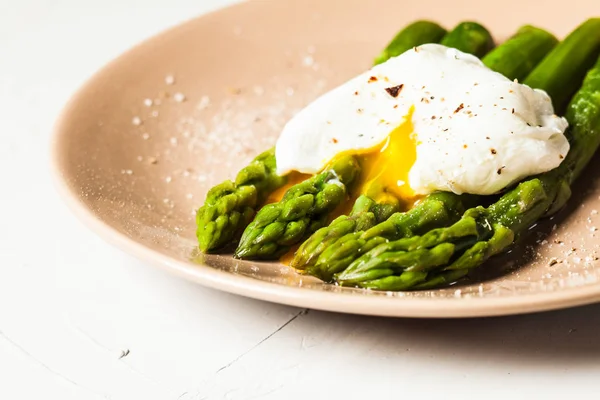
(375, 305)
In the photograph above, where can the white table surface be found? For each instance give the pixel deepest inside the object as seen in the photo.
(82, 320)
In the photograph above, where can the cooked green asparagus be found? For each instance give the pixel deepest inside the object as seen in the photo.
(570, 60)
(469, 37)
(230, 206)
(520, 54)
(303, 209)
(415, 34)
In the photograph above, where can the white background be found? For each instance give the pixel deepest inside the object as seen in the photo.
(71, 305)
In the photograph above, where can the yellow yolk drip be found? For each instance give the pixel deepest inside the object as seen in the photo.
(385, 168)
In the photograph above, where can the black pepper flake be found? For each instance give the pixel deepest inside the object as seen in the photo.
(459, 108)
(499, 171)
(395, 105)
(528, 124)
(373, 79)
(465, 146)
(561, 156)
(360, 110)
(513, 111)
(487, 137)
(432, 97)
(360, 135)
(334, 140)
(433, 117)
(493, 151)
(445, 130)
(502, 97)
(503, 108)
(394, 90)
(356, 93)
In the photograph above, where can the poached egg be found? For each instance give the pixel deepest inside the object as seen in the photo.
(431, 119)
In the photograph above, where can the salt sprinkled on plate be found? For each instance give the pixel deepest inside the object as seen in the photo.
(169, 79)
(148, 102)
(136, 121)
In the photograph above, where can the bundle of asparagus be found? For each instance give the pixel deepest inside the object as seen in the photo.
(443, 236)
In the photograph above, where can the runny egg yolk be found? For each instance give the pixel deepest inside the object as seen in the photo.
(385, 168)
(384, 174)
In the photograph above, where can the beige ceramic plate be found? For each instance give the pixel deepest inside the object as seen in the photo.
(140, 144)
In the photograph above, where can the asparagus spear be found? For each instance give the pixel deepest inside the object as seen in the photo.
(570, 65)
(446, 254)
(230, 206)
(469, 37)
(365, 213)
(436, 210)
(527, 48)
(415, 34)
(302, 210)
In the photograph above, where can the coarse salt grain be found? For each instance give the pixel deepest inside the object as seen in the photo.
(203, 103)
(169, 79)
(173, 141)
(145, 136)
(308, 61)
(179, 97)
(136, 121)
(148, 102)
